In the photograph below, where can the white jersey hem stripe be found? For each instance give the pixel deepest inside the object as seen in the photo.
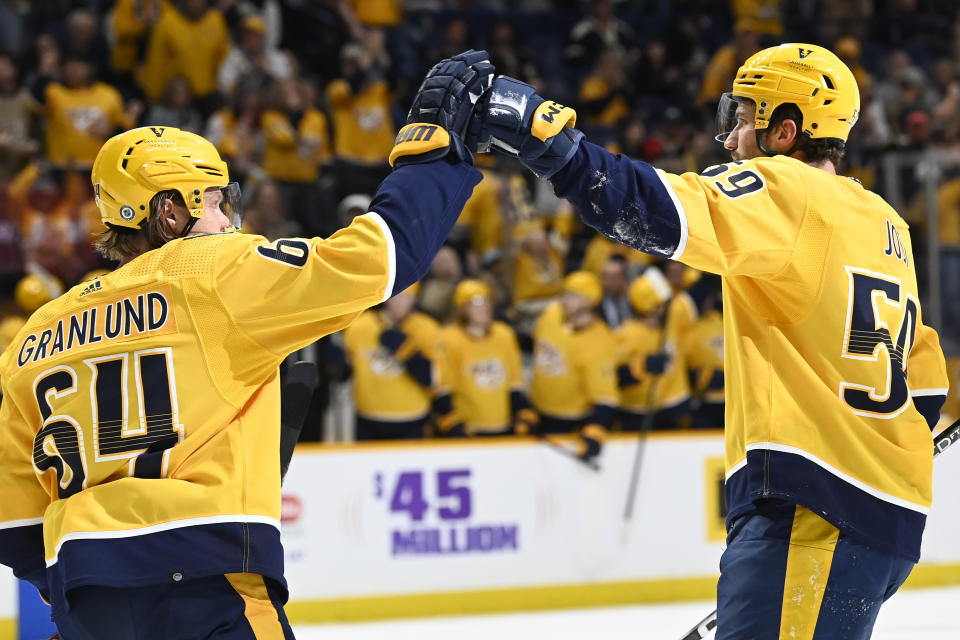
(928, 392)
(880, 495)
(157, 528)
(26, 522)
(734, 469)
(681, 214)
(391, 253)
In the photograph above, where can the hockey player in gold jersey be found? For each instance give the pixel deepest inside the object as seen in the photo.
(392, 352)
(139, 466)
(482, 376)
(652, 371)
(574, 385)
(833, 379)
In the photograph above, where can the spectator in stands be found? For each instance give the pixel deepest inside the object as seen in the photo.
(592, 35)
(17, 143)
(84, 38)
(192, 43)
(176, 109)
(392, 352)
(765, 15)
(574, 385)
(265, 214)
(652, 374)
(436, 294)
(606, 97)
(600, 249)
(235, 131)
(725, 61)
(510, 57)
(537, 270)
(481, 373)
(363, 128)
(614, 307)
(251, 61)
(704, 355)
(483, 215)
(297, 145)
(81, 114)
(128, 27)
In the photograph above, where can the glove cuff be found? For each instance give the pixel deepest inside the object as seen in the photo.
(422, 142)
(561, 148)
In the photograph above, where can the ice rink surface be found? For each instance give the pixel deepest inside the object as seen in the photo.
(913, 614)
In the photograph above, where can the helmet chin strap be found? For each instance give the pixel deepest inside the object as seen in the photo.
(188, 227)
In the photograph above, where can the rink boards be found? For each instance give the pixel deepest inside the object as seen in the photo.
(427, 528)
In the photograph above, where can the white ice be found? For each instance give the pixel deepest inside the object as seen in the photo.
(913, 614)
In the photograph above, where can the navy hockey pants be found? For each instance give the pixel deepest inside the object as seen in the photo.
(235, 606)
(788, 573)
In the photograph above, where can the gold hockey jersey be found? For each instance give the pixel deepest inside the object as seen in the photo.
(833, 380)
(480, 373)
(139, 428)
(382, 388)
(572, 370)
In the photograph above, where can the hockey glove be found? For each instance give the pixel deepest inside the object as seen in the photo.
(592, 437)
(657, 363)
(518, 122)
(392, 339)
(442, 110)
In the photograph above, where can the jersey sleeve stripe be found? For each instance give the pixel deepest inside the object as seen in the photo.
(26, 522)
(391, 253)
(928, 392)
(681, 214)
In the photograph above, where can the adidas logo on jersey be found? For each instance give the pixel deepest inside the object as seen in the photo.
(93, 287)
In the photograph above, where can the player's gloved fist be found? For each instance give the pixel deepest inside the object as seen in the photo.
(526, 422)
(657, 363)
(518, 122)
(392, 339)
(442, 110)
(592, 437)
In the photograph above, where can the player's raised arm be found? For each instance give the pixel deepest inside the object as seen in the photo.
(287, 292)
(725, 220)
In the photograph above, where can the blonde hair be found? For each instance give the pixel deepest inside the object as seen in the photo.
(121, 243)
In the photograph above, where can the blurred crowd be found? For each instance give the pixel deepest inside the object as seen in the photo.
(528, 321)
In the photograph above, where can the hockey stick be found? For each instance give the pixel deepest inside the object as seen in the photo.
(942, 442)
(563, 450)
(645, 428)
(295, 395)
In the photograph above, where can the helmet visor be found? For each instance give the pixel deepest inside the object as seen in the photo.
(232, 205)
(726, 116)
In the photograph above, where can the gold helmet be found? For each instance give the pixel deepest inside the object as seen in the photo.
(649, 291)
(585, 284)
(806, 75)
(468, 291)
(33, 291)
(133, 166)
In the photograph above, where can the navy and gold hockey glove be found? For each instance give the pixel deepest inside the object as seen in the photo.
(519, 123)
(442, 110)
(392, 339)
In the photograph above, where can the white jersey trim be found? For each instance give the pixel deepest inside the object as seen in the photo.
(391, 253)
(681, 214)
(157, 528)
(886, 497)
(928, 392)
(734, 469)
(26, 522)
